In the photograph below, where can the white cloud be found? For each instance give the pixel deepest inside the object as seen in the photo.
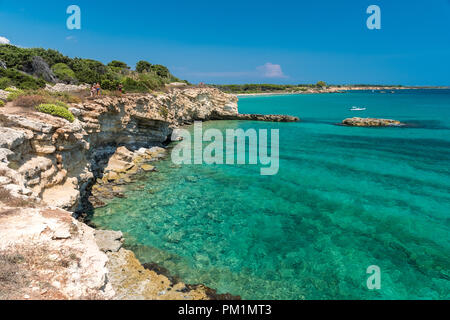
(270, 70)
(3, 40)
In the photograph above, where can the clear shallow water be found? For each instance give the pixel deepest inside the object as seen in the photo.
(344, 199)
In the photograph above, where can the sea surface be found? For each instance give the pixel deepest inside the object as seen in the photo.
(344, 199)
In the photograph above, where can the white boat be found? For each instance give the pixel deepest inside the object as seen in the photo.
(357, 109)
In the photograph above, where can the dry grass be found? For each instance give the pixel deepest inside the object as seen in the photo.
(13, 275)
(30, 101)
(28, 270)
(8, 199)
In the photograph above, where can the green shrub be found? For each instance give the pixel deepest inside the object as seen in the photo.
(5, 82)
(21, 80)
(63, 72)
(56, 110)
(151, 81)
(2, 103)
(61, 104)
(131, 85)
(110, 84)
(14, 94)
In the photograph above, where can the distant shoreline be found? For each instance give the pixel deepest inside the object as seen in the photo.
(336, 90)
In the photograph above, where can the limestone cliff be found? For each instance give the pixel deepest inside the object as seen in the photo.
(50, 168)
(54, 160)
(47, 164)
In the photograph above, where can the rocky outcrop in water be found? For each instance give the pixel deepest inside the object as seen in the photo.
(260, 117)
(370, 122)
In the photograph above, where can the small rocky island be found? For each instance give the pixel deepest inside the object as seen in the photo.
(370, 122)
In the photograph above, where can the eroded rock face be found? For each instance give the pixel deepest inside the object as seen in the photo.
(48, 163)
(57, 160)
(370, 122)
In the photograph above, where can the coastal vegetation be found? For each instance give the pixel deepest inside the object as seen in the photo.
(31, 69)
(277, 88)
(57, 109)
(14, 93)
(267, 87)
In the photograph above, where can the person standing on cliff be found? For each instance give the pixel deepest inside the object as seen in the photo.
(98, 88)
(93, 89)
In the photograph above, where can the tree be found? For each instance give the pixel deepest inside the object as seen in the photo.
(143, 66)
(118, 64)
(321, 84)
(161, 71)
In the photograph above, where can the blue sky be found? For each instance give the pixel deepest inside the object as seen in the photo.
(249, 41)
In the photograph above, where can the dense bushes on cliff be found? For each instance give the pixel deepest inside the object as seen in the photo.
(13, 77)
(64, 73)
(143, 66)
(20, 68)
(253, 88)
(118, 64)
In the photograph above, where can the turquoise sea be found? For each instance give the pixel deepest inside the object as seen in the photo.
(344, 199)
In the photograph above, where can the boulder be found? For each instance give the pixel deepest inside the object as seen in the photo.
(108, 240)
(10, 138)
(40, 68)
(5, 154)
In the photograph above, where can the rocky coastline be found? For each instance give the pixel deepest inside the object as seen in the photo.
(53, 171)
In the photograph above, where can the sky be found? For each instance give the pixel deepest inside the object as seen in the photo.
(223, 42)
